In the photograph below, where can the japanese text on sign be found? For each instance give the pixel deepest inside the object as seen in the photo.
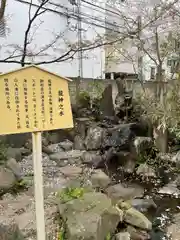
(33, 99)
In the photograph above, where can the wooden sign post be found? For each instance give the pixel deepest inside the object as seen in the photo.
(38, 182)
(34, 100)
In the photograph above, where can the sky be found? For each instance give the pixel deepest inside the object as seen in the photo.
(44, 31)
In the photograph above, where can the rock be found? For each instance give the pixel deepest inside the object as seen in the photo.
(137, 234)
(122, 236)
(177, 181)
(25, 151)
(95, 137)
(100, 179)
(60, 135)
(119, 137)
(160, 135)
(118, 191)
(143, 205)
(170, 189)
(127, 160)
(27, 222)
(15, 153)
(167, 158)
(83, 112)
(7, 178)
(49, 166)
(142, 144)
(159, 235)
(78, 143)
(15, 168)
(91, 217)
(66, 145)
(15, 140)
(173, 230)
(137, 219)
(122, 136)
(45, 141)
(81, 126)
(20, 209)
(28, 144)
(74, 155)
(123, 101)
(106, 103)
(176, 159)
(71, 171)
(52, 148)
(129, 166)
(146, 171)
(10, 232)
(93, 159)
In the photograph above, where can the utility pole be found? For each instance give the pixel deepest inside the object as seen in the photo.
(140, 57)
(80, 53)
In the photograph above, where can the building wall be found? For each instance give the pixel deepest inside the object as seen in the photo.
(126, 59)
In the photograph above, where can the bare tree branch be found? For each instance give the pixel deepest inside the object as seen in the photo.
(37, 13)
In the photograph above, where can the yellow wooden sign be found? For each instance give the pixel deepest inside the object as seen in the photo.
(33, 99)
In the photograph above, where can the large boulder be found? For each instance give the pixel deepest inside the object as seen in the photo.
(137, 219)
(66, 145)
(127, 160)
(119, 191)
(93, 159)
(10, 232)
(73, 156)
(170, 189)
(71, 171)
(15, 168)
(143, 205)
(79, 143)
(106, 104)
(81, 126)
(94, 138)
(122, 236)
(146, 171)
(15, 140)
(100, 179)
(7, 179)
(15, 153)
(91, 217)
(143, 144)
(138, 234)
(123, 135)
(52, 148)
(60, 135)
(176, 159)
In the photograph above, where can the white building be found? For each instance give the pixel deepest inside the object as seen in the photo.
(60, 19)
(124, 57)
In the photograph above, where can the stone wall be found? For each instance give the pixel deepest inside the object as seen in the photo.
(89, 85)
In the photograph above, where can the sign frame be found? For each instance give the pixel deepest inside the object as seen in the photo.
(37, 153)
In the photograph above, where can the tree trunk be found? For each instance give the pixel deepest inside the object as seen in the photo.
(2, 8)
(159, 89)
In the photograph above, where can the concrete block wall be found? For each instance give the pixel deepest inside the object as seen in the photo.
(88, 85)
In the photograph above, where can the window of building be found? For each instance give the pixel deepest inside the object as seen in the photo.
(174, 65)
(177, 45)
(153, 73)
(107, 75)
